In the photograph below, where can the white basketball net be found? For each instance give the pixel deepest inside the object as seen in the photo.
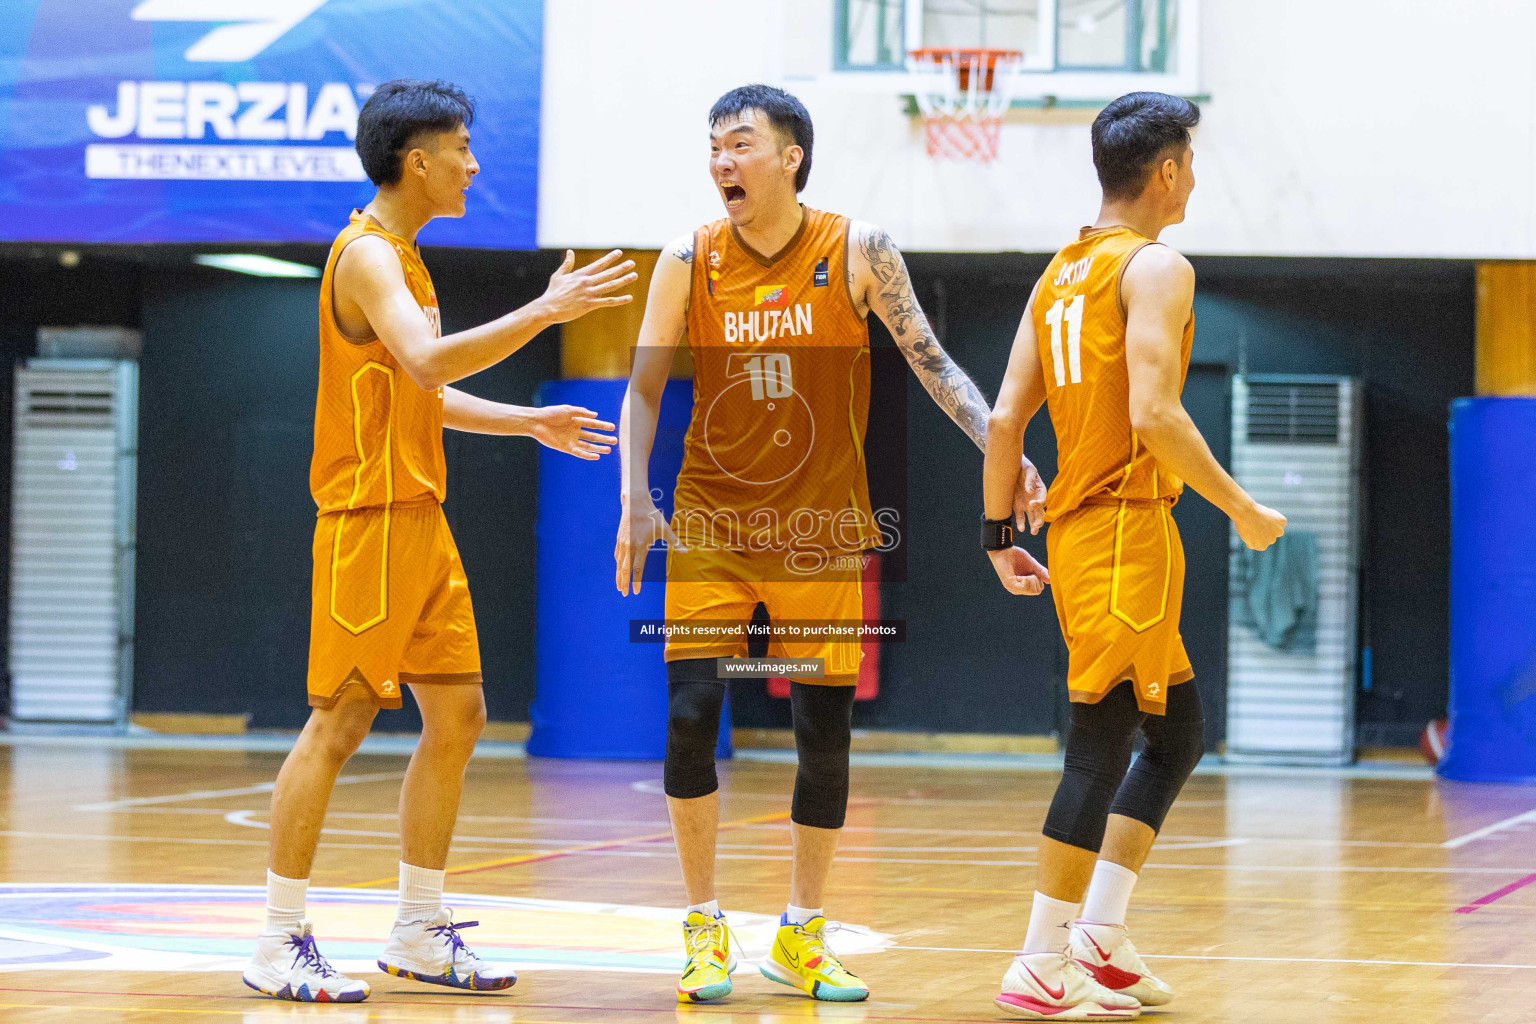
(962, 96)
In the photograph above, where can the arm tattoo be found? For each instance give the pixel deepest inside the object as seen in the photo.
(896, 304)
(684, 252)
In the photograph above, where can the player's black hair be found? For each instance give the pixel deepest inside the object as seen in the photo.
(787, 115)
(1131, 134)
(397, 112)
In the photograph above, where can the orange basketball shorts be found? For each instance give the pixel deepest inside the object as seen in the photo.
(725, 585)
(1117, 576)
(391, 605)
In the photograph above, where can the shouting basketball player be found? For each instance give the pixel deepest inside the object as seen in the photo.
(391, 605)
(772, 502)
(1105, 341)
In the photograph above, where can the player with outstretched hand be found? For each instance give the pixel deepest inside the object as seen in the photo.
(391, 605)
(772, 502)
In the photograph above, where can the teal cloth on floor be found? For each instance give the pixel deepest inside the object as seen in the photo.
(1282, 586)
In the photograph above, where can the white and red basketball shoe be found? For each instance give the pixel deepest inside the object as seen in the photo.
(1105, 951)
(1053, 986)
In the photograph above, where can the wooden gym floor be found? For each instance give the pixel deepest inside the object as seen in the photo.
(127, 891)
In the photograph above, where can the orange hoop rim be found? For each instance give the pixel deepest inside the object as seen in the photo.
(964, 119)
(993, 54)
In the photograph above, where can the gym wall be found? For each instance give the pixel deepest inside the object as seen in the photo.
(225, 518)
(1331, 128)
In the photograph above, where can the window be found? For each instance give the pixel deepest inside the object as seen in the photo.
(1114, 35)
(1001, 24)
(871, 35)
(1071, 37)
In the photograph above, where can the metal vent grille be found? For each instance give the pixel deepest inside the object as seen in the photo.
(1299, 413)
(72, 541)
(54, 406)
(1296, 447)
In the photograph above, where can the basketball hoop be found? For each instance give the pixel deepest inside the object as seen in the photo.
(962, 95)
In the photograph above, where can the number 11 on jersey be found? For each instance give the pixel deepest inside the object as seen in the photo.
(1073, 314)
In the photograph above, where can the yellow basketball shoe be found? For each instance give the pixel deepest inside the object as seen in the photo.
(707, 974)
(800, 958)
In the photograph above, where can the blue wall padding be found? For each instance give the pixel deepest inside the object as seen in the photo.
(596, 694)
(1493, 591)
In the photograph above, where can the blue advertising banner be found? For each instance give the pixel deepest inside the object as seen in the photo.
(234, 120)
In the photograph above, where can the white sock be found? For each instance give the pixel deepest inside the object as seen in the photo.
(1048, 920)
(710, 909)
(285, 902)
(800, 915)
(421, 893)
(1109, 893)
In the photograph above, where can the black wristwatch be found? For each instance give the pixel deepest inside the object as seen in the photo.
(996, 534)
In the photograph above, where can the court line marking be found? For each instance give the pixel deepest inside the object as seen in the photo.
(653, 787)
(1258, 868)
(243, 819)
(207, 841)
(1488, 830)
(1165, 841)
(1168, 904)
(210, 794)
(1152, 905)
(1021, 891)
(477, 818)
(531, 858)
(1497, 894)
(613, 848)
(1258, 959)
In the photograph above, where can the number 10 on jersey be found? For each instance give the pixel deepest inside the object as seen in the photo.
(770, 376)
(1073, 314)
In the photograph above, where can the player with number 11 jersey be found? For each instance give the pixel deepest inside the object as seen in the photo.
(1124, 620)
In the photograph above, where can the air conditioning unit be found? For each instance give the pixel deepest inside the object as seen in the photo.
(1293, 638)
(72, 541)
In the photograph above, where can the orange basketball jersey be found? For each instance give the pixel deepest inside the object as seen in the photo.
(1080, 328)
(775, 449)
(378, 437)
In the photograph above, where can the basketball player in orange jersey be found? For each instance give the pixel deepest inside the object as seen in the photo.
(391, 605)
(1105, 341)
(772, 501)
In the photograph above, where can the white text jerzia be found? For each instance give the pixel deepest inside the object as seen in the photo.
(191, 110)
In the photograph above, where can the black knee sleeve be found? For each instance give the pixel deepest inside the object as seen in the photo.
(1099, 744)
(823, 730)
(1175, 742)
(694, 698)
